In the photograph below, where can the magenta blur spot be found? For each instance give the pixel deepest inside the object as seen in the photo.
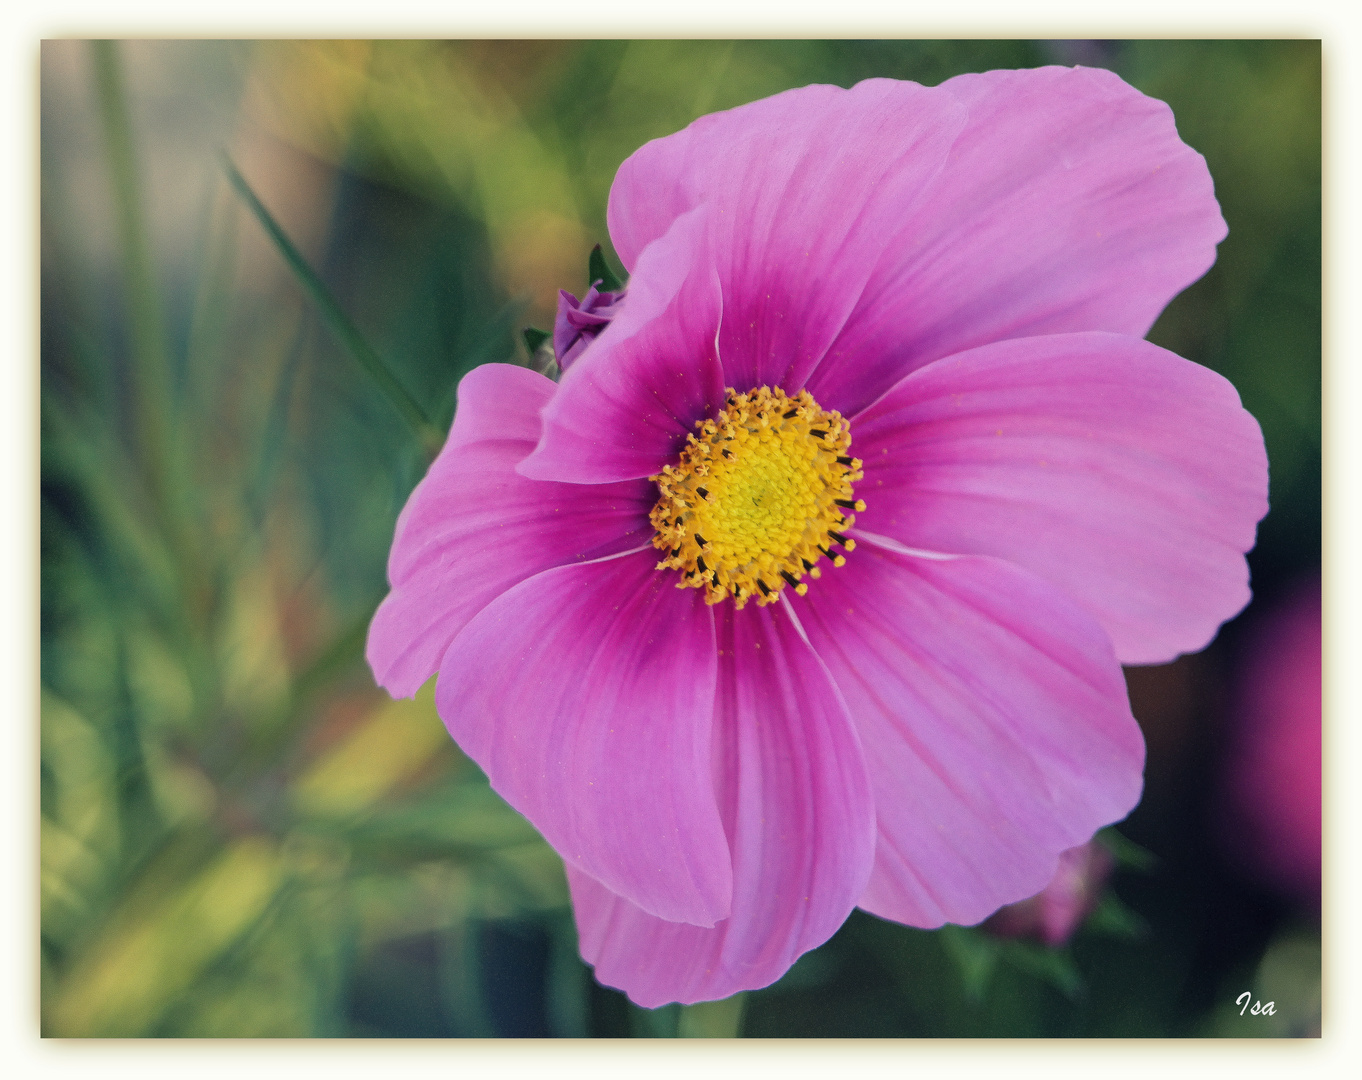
(1271, 812)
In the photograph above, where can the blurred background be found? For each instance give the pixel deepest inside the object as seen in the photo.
(243, 836)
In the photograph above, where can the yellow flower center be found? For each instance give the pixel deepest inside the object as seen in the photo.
(759, 495)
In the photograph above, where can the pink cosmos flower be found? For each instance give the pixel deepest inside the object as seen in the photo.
(809, 584)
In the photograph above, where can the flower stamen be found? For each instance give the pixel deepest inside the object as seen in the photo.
(756, 496)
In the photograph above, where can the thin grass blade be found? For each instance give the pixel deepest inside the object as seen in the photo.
(336, 319)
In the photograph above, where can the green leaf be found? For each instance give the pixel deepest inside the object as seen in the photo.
(534, 337)
(81, 451)
(335, 318)
(597, 270)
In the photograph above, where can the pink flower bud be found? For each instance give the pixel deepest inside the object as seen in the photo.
(1058, 910)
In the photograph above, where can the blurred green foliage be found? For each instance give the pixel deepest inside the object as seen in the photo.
(240, 834)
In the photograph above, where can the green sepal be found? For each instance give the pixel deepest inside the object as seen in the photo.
(597, 270)
(1114, 919)
(975, 955)
(1127, 853)
(1049, 965)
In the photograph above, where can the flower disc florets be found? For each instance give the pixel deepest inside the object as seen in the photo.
(759, 495)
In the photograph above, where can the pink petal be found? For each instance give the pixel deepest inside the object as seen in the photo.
(472, 527)
(625, 406)
(994, 720)
(1124, 474)
(1068, 203)
(586, 693)
(797, 809)
(807, 187)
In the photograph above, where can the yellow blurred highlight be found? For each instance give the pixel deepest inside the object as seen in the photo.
(79, 833)
(426, 108)
(542, 252)
(396, 741)
(309, 91)
(145, 963)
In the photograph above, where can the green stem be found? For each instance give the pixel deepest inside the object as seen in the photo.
(334, 316)
(712, 1019)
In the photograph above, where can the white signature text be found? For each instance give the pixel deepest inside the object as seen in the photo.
(1259, 1008)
